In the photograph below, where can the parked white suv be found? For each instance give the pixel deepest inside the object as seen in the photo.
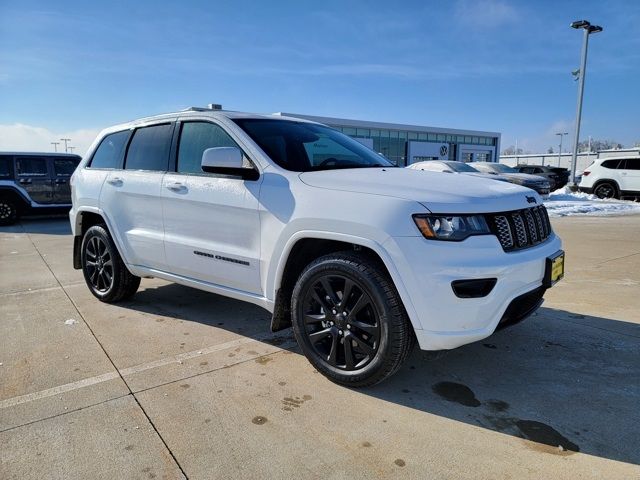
(612, 177)
(362, 258)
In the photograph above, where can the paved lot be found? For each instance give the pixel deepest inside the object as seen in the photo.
(181, 383)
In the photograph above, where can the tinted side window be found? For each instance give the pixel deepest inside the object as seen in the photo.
(611, 164)
(195, 138)
(6, 167)
(32, 166)
(64, 167)
(109, 153)
(149, 148)
(633, 164)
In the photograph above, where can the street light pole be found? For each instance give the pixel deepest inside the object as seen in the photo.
(65, 140)
(562, 134)
(588, 30)
(71, 149)
(55, 146)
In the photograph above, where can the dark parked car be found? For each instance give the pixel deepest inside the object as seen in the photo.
(34, 183)
(557, 176)
(539, 184)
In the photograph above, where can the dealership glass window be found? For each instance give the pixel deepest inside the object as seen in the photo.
(422, 136)
(363, 132)
(402, 135)
(109, 153)
(467, 157)
(431, 137)
(449, 138)
(32, 166)
(375, 133)
(413, 136)
(149, 148)
(481, 157)
(348, 130)
(440, 137)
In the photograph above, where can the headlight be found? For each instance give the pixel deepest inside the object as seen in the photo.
(450, 227)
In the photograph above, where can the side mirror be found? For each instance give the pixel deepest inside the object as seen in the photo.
(226, 161)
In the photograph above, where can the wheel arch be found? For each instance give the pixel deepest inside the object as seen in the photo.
(303, 248)
(13, 194)
(85, 219)
(600, 181)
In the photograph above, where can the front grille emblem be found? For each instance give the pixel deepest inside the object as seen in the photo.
(531, 199)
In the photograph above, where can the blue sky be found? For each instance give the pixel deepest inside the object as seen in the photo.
(72, 68)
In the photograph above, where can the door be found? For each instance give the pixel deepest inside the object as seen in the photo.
(131, 197)
(211, 221)
(63, 168)
(32, 173)
(629, 175)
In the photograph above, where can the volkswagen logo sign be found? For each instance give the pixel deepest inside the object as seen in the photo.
(444, 151)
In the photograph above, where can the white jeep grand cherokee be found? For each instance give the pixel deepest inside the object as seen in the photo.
(360, 257)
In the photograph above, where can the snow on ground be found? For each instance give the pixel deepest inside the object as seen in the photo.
(564, 203)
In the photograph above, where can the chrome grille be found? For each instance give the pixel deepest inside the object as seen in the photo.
(521, 228)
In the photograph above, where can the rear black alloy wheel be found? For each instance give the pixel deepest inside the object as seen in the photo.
(605, 190)
(8, 212)
(341, 322)
(99, 264)
(349, 320)
(104, 271)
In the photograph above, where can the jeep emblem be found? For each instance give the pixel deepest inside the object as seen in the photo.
(531, 199)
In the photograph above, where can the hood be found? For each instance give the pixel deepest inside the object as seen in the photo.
(525, 177)
(438, 192)
(489, 176)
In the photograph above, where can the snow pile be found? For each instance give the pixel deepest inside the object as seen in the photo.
(563, 203)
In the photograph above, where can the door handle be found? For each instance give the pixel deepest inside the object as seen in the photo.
(25, 181)
(177, 187)
(116, 181)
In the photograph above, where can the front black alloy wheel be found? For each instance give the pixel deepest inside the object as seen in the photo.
(349, 320)
(104, 271)
(341, 322)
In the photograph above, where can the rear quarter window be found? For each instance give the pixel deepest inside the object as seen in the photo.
(632, 164)
(110, 152)
(611, 164)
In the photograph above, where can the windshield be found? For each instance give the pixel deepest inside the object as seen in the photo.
(461, 167)
(304, 147)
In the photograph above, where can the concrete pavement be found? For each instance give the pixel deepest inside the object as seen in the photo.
(180, 383)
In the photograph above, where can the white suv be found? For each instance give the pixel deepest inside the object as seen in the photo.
(612, 177)
(362, 258)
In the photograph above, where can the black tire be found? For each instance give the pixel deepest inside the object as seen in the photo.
(606, 190)
(104, 271)
(370, 315)
(8, 212)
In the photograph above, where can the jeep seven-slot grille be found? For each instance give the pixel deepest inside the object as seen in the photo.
(521, 228)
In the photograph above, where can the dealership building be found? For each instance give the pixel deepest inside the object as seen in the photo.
(407, 144)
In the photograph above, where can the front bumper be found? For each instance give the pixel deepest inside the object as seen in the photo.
(444, 321)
